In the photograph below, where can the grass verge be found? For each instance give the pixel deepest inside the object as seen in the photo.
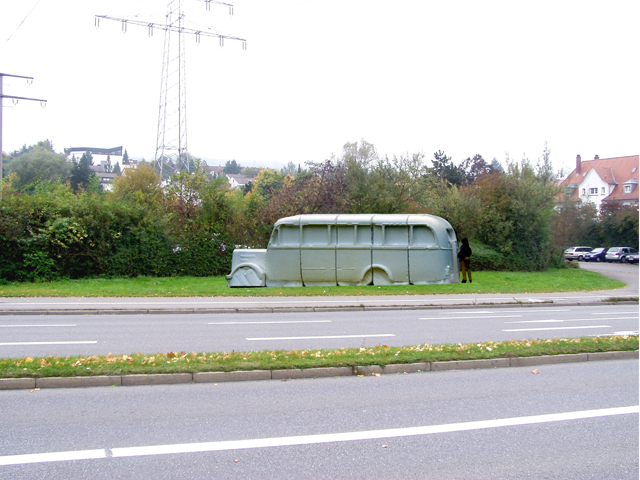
(183, 362)
(557, 280)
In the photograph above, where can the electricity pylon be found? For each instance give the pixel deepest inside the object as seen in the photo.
(15, 99)
(171, 139)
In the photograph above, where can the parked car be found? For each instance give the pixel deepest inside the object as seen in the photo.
(619, 254)
(633, 258)
(596, 255)
(576, 253)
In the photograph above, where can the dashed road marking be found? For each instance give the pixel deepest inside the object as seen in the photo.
(325, 336)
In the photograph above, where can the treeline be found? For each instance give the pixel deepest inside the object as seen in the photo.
(52, 228)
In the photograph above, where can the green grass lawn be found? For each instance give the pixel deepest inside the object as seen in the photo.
(557, 280)
(183, 362)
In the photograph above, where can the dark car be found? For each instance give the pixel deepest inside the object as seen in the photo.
(596, 255)
(633, 258)
(619, 254)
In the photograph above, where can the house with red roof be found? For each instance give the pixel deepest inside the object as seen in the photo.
(603, 180)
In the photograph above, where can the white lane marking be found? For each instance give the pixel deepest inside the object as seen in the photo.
(8, 344)
(543, 310)
(502, 310)
(268, 323)
(325, 336)
(471, 317)
(457, 312)
(609, 313)
(36, 326)
(554, 328)
(367, 435)
(550, 321)
(314, 439)
(573, 320)
(53, 457)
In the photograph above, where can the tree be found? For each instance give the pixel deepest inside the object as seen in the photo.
(117, 169)
(474, 167)
(619, 225)
(544, 168)
(360, 182)
(232, 167)
(289, 169)
(355, 169)
(197, 214)
(444, 169)
(81, 173)
(515, 217)
(250, 172)
(268, 182)
(575, 225)
(125, 158)
(39, 163)
(142, 186)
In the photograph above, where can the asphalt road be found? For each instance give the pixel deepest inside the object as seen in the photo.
(564, 421)
(33, 335)
(561, 421)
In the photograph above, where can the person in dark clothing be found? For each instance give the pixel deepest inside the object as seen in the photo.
(464, 256)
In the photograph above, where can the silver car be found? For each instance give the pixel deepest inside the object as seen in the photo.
(619, 254)
(576, 253)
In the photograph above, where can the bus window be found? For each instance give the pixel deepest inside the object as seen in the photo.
(290, 235)
(423, 236)
(396, 235)
(346, 235)
(274, 237)
(378, 238)
(363, 235)
(315, 235)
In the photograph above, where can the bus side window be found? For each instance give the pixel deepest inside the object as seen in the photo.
(378, 235)
(275, 237)
(315, 235)
(423, 236)
(363, 235)
(396, 235)
(290, 235)
(346, 235)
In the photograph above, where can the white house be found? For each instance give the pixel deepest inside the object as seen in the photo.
(237, 181)
(603, 180)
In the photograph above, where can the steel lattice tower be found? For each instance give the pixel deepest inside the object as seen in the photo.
(171, 139)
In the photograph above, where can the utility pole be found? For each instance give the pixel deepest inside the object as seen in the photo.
(2, 97)
(171, 138)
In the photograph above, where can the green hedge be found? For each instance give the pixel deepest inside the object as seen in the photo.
(56, 234)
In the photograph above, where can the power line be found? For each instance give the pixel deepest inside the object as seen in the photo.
(171, 139)
(23, 20)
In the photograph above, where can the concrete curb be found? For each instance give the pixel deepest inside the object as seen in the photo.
(365, 370)
(71, 382)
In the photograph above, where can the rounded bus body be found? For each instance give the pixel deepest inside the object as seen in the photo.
(363, 249)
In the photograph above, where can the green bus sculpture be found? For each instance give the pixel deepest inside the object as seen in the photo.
(363, 249)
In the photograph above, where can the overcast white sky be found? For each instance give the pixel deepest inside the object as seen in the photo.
(464, 77)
